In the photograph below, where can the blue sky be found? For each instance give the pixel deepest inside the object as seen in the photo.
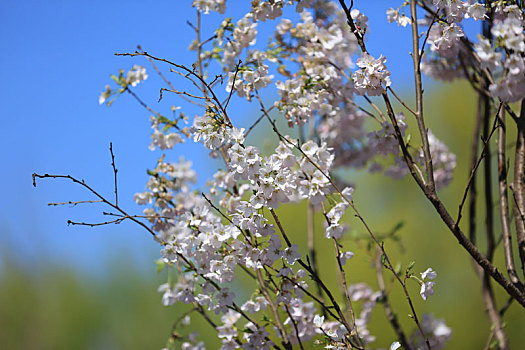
(57, 58)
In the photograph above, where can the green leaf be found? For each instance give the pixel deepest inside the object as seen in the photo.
(115, 78)
(160, 265)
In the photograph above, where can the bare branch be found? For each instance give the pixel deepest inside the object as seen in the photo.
(90, 189)
(114, 171)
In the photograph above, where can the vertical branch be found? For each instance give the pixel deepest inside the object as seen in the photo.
(391, 316)
(486, 285)
(503, 201)
(473, 162)
(487, 174)
(341, 271)
(114, 171)
(519, 185)
(317, 279)
(310, 217)
(419, 99)
(199, 51)
(286, 341)
(311, 246)
(491, 309)
(346, 294)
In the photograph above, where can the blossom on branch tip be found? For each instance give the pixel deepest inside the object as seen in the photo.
(427, 287)
(136, 75)
(373, 77)
(395, 16)
(343, 257)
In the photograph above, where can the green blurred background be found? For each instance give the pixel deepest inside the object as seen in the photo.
(53, 307)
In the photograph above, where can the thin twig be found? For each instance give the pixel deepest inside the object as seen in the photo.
(273, 307)
(474, 169)
(74, 203)
(233, 83)
(401, 101)
(423, 132)
(504, 203)
(114, 171)
(189, 73)
(116, 221)
(391, 316)
(90, 189)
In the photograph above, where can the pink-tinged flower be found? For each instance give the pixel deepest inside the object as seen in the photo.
(345, 256)
(429, 273)
(373, 76)
(427, 289)
(291, 254)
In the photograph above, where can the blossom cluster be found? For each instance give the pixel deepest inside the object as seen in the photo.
(497, 55)
(320, 70)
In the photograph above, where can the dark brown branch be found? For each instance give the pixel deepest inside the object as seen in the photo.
(475, 168)
(486, 285)
(286, 342)
(487, 174)
(474, 163)
(233, 84)
(114, 171)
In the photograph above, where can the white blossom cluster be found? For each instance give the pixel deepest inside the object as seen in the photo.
(132, 78)
(136, 75)
(400, 18)
(319, 71)
(206, 6)
(163, 139)
(324, 49)
(509, 40)
(373, 77)
(498, 56)
(427, 287)
(249, 80)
